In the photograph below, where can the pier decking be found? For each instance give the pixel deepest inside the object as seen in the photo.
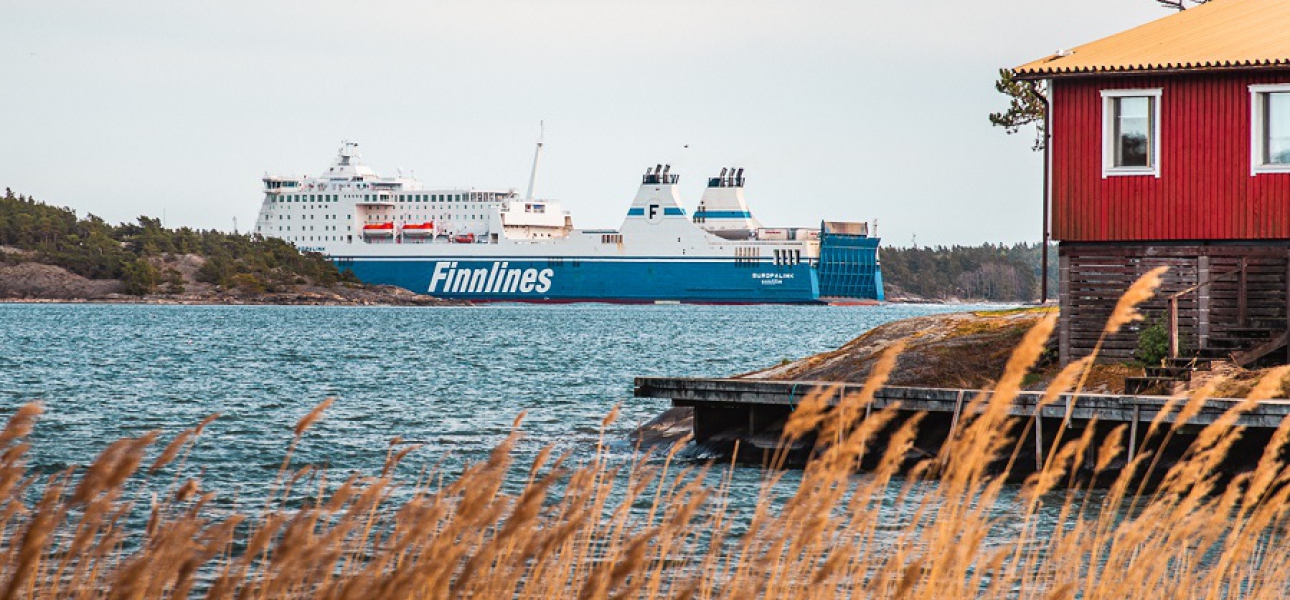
(727, 409)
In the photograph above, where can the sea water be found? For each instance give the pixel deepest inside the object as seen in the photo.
(452, 378)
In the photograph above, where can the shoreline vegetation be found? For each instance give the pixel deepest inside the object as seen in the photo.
(49, 254)
(962, 274)
(607, 526)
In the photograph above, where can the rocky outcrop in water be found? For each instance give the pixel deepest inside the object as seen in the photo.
(37, 282)
(967, 350)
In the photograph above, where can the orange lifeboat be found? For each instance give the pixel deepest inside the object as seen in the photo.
(469, 238)
(418, 229)
(379, 229)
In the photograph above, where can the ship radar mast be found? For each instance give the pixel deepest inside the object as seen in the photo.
(348, 165)
(348, 150)
(537, 155)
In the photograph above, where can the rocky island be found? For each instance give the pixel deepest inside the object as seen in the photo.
(49, 254)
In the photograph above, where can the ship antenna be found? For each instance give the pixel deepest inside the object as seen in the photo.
(537, 155)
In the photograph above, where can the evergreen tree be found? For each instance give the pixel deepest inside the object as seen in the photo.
(139, 277)
(92, 248)
(995, 272)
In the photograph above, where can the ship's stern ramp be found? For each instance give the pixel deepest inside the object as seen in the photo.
(849, 266)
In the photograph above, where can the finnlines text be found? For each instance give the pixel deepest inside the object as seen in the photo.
(497, 279)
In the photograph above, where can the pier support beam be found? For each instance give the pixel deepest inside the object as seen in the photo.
(1133, 431)
(958, 410)
(1039, 440)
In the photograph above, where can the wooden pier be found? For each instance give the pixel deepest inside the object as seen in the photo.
(752, 410)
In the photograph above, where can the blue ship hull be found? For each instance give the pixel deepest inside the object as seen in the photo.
(586, 280)
(847, 270)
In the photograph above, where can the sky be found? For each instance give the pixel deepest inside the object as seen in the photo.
(840, 110)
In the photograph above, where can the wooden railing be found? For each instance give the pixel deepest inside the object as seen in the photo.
(1241, 302)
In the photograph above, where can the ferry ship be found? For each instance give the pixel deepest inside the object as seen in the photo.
(496, 245)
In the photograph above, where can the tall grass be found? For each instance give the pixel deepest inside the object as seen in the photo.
(600, 527)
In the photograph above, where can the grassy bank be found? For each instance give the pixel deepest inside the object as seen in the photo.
(956, 350)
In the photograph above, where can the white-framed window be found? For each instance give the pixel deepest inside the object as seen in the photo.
(1131, 132)
(1269, 129)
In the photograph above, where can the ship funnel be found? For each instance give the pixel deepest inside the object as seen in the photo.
(722, 209)
(659, 175)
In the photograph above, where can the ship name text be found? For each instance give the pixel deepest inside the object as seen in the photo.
(497, 279)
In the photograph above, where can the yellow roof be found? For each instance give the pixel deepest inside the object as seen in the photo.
(1217, 34)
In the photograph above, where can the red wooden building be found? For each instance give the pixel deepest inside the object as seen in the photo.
(1170, 144)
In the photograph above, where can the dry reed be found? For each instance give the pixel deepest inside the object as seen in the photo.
(658, 527)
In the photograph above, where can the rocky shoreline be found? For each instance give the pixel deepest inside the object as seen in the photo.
(31, 282)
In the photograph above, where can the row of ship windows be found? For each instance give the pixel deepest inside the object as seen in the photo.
(373, 197)
(371, 218)
(305, 217)
(423, 207)
(307, 228)
(310, 238)
(414, 217)
(380, 217)
(307, 198)
(409, 207)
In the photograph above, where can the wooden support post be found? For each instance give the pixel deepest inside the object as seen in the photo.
(1090, 451)
(958, 409)
(699, 424)
(1241, 300)
(1202, 302)
(1133, 432)
(1063, 306)
(1039, 438)
(1173, 327)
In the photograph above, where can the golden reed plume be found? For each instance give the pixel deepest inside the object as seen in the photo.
(650, 525)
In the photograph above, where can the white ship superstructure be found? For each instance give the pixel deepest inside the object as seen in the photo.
(351, 204)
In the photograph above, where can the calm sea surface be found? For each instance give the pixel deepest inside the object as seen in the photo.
(453, 378)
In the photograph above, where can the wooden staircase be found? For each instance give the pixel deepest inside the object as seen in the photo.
(1262, 342)
(1160, 380)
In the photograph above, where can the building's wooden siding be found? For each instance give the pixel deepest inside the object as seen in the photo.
(1094, 276)
(1205, 191)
